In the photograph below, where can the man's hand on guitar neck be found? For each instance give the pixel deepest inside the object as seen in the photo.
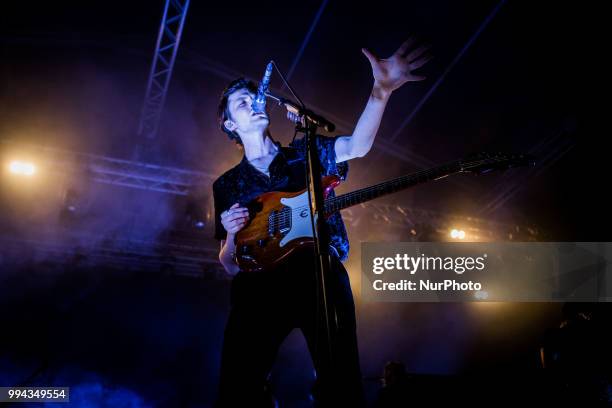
(233, 219)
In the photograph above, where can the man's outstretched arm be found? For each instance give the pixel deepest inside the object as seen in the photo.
(389, 74)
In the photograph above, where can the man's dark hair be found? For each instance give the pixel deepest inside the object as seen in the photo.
(223, 111)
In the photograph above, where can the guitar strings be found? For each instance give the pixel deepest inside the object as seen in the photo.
(279, 217)
(285, 215)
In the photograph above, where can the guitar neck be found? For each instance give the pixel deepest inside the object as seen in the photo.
(388, 187)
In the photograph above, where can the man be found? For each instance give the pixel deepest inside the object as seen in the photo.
(267, 305)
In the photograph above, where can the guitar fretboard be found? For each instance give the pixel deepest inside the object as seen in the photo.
(387, 187)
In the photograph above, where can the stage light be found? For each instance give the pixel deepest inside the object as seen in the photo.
(481, 295)
(22, 168)
(457, 234)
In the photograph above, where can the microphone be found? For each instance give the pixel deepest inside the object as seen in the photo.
(259, 103)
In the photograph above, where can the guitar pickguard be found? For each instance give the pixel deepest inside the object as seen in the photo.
(301, 224)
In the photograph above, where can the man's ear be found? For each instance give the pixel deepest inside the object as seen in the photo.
(229, 125)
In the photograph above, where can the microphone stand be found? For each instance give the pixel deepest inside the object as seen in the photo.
(310, 122)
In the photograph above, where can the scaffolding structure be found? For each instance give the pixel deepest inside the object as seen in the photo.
(168, 40)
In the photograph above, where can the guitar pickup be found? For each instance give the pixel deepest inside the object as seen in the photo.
(279, 221)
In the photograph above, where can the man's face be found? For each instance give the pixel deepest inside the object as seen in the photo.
(242, 118)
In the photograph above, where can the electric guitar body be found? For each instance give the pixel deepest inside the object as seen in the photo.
(280, 223)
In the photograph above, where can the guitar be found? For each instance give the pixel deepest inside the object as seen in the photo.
(280, 222)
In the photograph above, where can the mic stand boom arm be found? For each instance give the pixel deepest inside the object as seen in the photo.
(302, 112)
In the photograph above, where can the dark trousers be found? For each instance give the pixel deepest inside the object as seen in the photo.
(265, 307)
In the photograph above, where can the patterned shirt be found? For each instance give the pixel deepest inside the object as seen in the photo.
(244, 182)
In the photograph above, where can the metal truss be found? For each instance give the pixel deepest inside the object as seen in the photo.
(87, 250)
(114, 171)
(168, 40)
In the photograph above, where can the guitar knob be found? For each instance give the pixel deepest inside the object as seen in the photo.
(261, 243)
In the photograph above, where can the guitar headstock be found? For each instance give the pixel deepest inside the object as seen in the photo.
(485, 162)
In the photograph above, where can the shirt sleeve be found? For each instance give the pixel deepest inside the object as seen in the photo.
(327, 155)
(220, 232)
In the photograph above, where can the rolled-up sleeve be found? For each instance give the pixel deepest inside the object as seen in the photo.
(327, 155)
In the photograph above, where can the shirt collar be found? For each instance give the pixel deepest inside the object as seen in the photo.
(244, 163)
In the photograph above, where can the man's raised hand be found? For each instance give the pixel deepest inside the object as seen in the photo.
(395, 71)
